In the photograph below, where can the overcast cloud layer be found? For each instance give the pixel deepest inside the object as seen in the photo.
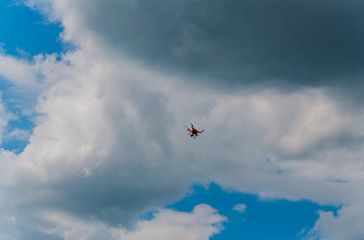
(109, 141)
(292, 42)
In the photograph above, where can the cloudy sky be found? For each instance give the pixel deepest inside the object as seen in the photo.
(96, 94)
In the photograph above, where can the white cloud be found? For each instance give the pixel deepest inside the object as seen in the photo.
(240, 207)
(18, 71)
(202, 223)
(348, 224)
(18, 134)
(290, 124)
(93, 131)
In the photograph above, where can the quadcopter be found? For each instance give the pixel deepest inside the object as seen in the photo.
(193, 132)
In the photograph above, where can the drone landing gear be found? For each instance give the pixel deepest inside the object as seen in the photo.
(193, 136)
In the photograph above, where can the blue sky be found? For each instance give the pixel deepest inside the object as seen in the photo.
(25, 30)
(94, 99)
(262, 219)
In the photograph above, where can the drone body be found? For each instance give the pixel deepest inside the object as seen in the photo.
(193, 131)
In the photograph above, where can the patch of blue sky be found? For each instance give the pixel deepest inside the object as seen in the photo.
(24, 33)
(273, 219)
(16, 134)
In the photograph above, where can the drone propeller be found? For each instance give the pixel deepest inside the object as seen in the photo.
(188, 133)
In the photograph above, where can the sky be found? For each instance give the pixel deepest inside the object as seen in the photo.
(95, 96)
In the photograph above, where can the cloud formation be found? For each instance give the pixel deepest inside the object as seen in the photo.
(202, 223)
(346, 225)
(240, 207)
(109, 142)
(310, 43)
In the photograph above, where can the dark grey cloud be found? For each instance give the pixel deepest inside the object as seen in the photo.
(306, 42)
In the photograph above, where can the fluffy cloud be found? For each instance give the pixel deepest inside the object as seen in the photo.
(240, 207)
(17, 71)
(348, 224)
(109, 142)
(200, 224)
(78, 167)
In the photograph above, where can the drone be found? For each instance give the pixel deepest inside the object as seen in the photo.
(193, 132)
